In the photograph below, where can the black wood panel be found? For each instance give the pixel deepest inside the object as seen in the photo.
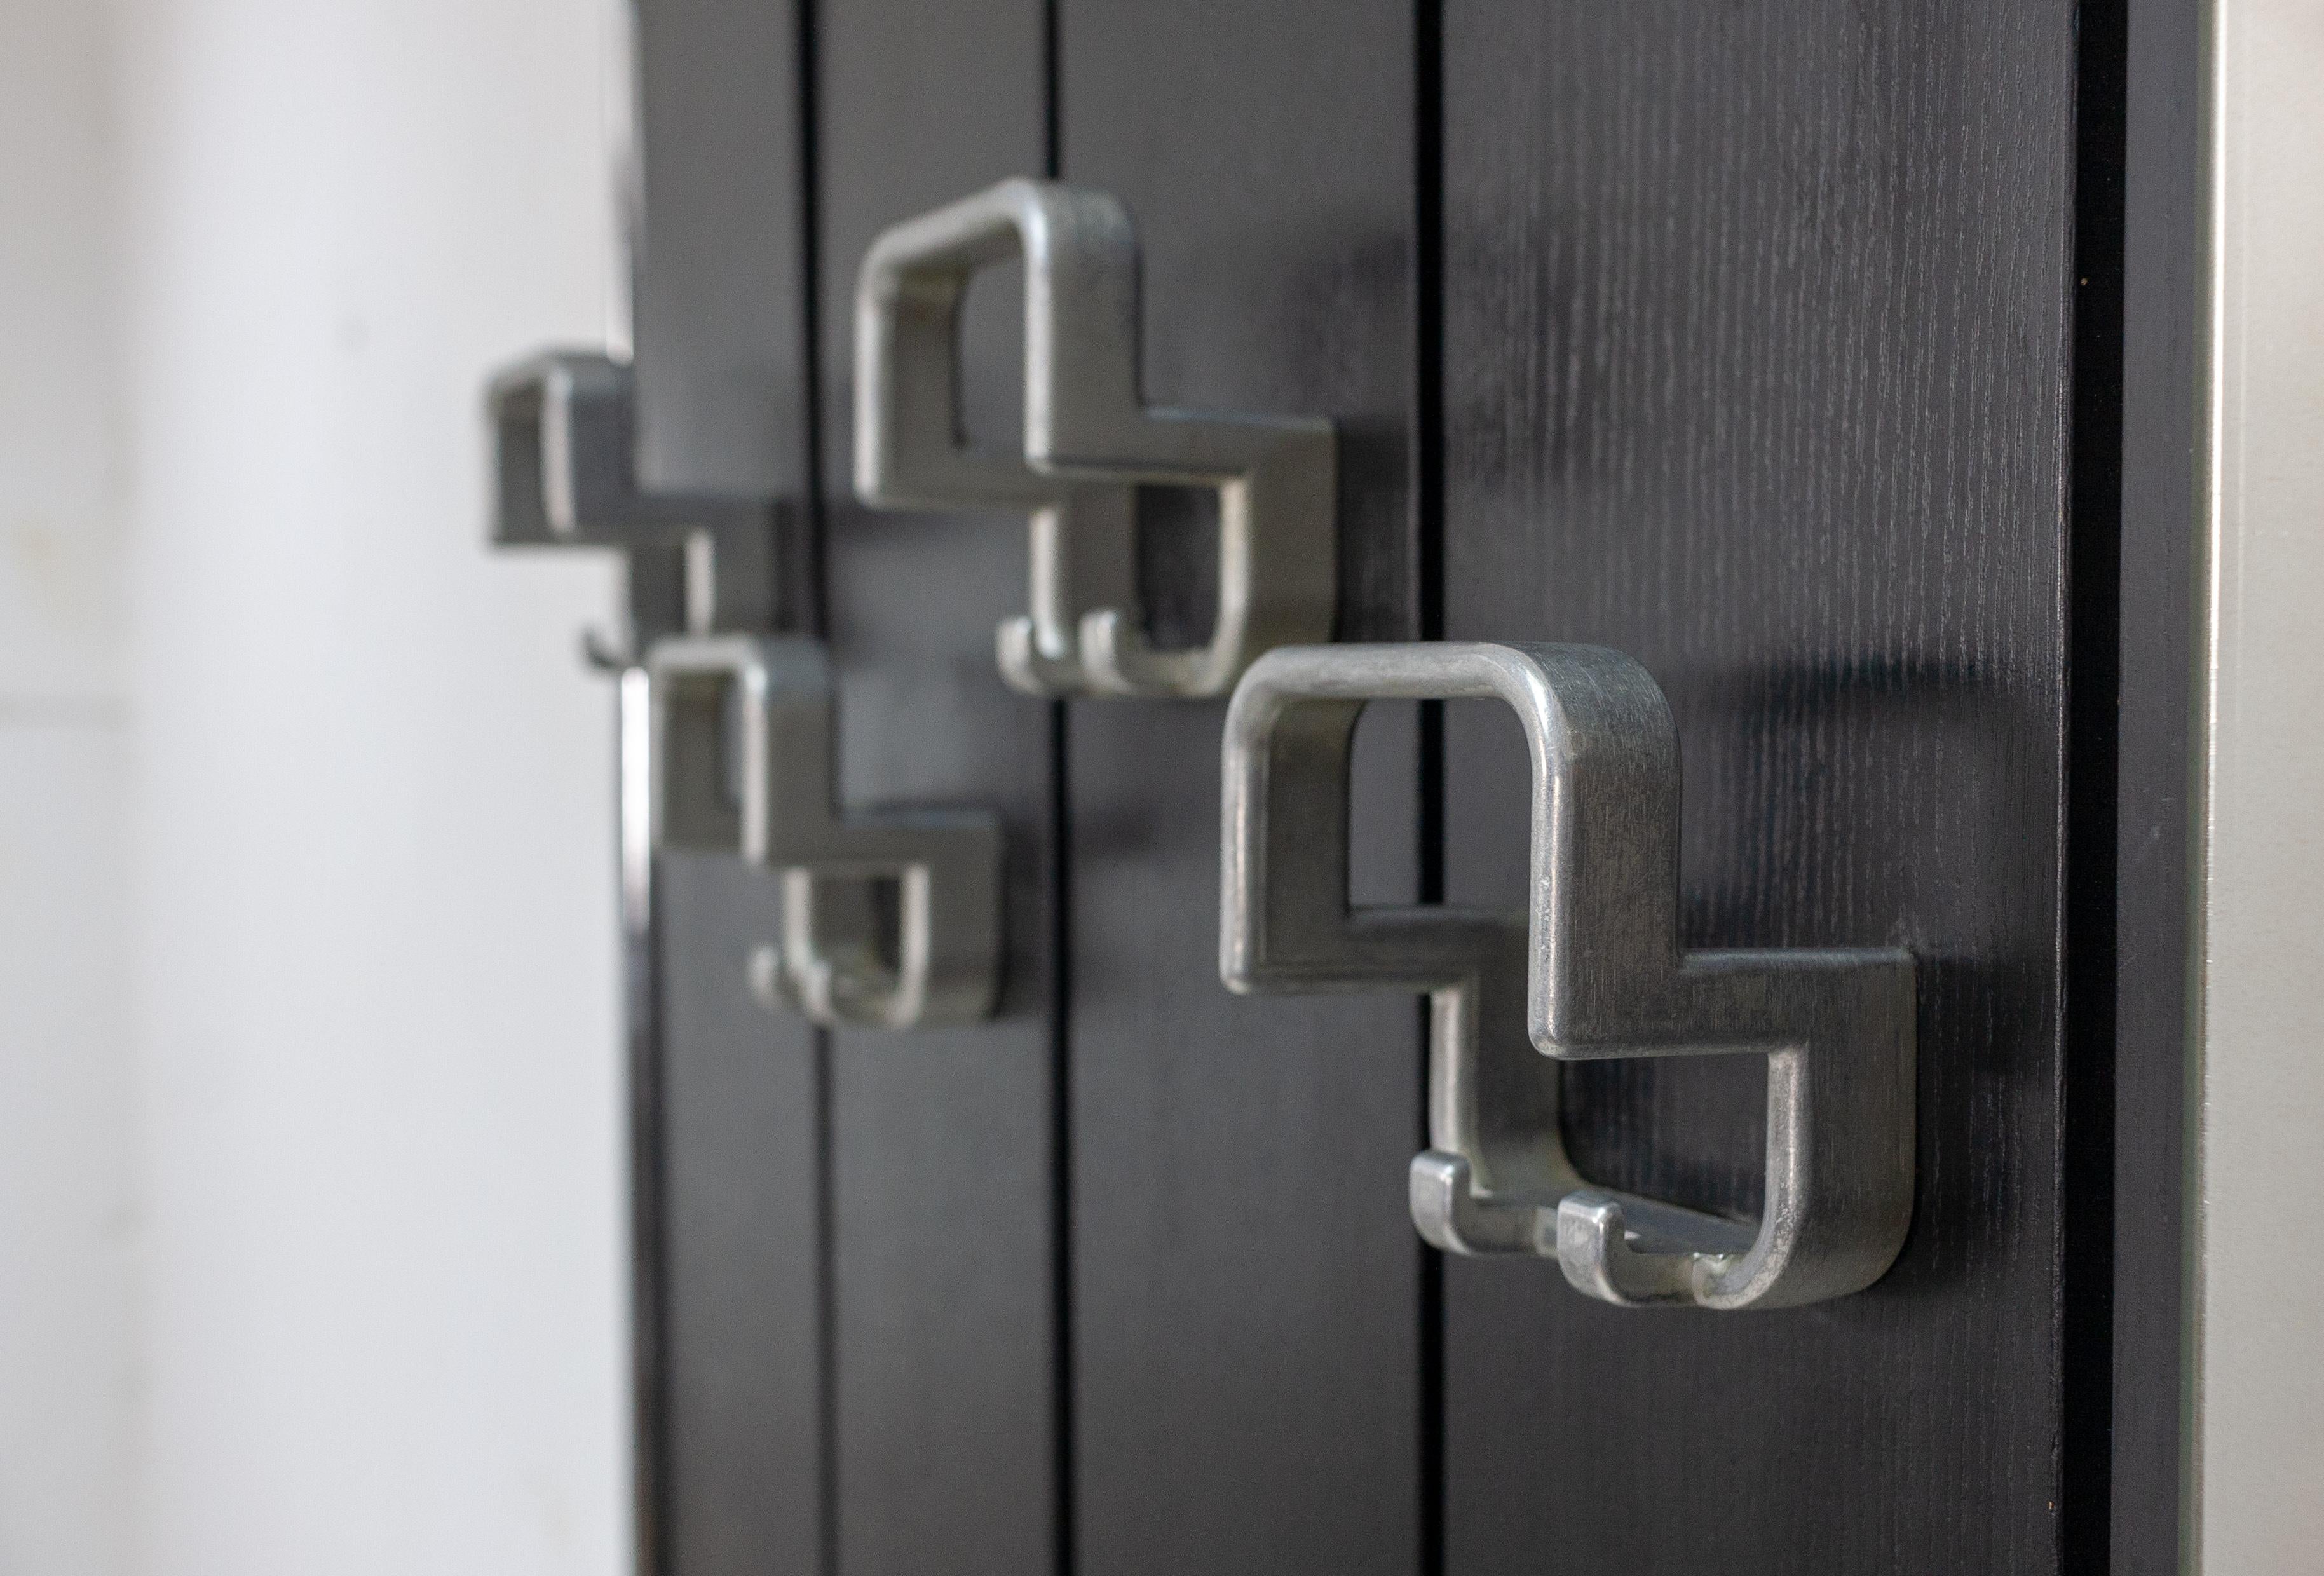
(947, 1456)
(2161, 318)
(720, 296)
(1246, 1282)
(739, 1095)
(722, 393)
(1757, 321)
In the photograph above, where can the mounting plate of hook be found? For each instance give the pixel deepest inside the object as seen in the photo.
(565, 476)
(1592, 970)
(1090, 441)
(891, 919)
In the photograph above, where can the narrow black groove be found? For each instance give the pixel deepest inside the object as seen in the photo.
(1428, 596)
(2093, 720)
(1428, 342)
(826, 1317)
(814, 610)
(1053, 108)
(1066, 1554)
(808, 65)
(1062, 1346)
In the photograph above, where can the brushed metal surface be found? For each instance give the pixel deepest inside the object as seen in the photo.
(564, 427)
(1090, 440)
(771, 805)
(1592, 970)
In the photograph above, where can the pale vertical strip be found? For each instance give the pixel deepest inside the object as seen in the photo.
(67, 1226)
(2257, 1468)
(625, 169)
(377, 1015)
(67, 1326)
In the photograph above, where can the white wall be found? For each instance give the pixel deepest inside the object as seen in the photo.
(370, 820)
(2259, 1446)
(66, 1340)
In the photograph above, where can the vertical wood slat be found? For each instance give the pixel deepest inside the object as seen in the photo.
(721, 330)
(1756, 367)
(723, 390)
(744, 1424)
(1246, 1282)
(2163, 202)
(946, 1458)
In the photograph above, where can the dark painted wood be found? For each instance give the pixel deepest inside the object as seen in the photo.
(719, 306)
(723, 390)
(1247, 1285)
(2162, 316)
(1758, 322)
(738, 1094)
(943, 1234)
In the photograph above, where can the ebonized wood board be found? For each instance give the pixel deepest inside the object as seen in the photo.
(724, 385)
(2163, 314)
(945, 1451)
(1247, 1285)
(720, 299)
(743, 1424)
(1757, 326)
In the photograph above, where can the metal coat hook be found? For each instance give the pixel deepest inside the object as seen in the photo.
(891, 919)
(565, 474)
(1089, 441)
(1592, 970)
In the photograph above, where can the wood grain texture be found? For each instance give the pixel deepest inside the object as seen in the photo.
(1246, 1279)
(744, 1420)
(1756, 367)
(2160, 359)
(946, 1451)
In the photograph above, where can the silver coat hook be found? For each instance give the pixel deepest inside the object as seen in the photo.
(1592, 970)
(565, 474)
(1089, 441)
(890, 920)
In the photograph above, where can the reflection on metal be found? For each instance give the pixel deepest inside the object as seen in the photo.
(565, 474)
(642, 1033)
(1593, 969)
(1089, 441)
(890, 920)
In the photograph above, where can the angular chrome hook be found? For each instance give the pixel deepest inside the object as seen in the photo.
(1090, 440)
(1593, 969)
(565, 474)
(769, 798)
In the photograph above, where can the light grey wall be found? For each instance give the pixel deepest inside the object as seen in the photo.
(370, 827)
(2260, 1265)
(67, 1337)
